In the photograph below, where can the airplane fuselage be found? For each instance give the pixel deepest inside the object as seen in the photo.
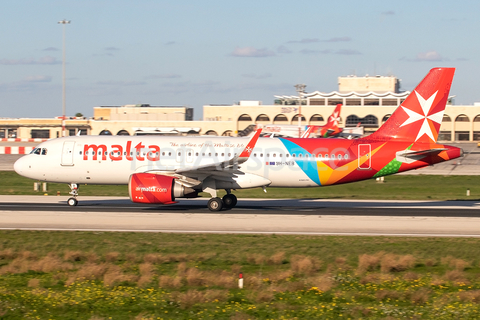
(276, 162)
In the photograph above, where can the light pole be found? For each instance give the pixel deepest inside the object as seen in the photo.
(300, 90)
(63, 22)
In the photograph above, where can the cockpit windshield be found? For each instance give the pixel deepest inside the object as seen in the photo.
(42, 151)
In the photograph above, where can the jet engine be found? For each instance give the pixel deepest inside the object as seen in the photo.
(156, 188)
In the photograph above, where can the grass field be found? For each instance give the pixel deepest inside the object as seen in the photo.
(100, 275)
(95, 275)
(397, 187)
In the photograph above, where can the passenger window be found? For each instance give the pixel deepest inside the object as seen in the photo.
(345, 157)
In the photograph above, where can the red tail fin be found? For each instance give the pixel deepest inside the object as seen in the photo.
(419, 117)
(334, 117)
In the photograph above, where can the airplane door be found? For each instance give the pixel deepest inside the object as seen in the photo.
(67, 153)
(364, 150)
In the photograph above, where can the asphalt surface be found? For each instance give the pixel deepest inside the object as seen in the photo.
(289, 216)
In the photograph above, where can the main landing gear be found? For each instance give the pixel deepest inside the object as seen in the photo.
(227, 202)
(72, 202)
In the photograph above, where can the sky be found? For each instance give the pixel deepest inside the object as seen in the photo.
(195, 53)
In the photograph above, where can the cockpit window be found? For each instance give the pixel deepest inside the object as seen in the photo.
(44, 151)
(36, 151)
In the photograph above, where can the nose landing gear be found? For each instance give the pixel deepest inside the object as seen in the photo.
(72, 202)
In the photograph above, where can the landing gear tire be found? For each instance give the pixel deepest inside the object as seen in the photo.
(229, 200)
(215, 204)
(72, 202)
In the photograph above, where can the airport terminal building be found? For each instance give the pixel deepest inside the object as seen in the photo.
(367, 101)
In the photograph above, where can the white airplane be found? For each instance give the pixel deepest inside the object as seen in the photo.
(160, 169)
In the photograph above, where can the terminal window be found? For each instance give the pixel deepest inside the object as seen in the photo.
(40, 133)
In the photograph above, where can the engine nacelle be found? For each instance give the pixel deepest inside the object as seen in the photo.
(156, 188)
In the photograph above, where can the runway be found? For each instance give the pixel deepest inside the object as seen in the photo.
(266, 216)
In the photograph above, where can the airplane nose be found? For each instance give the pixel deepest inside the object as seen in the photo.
(19, 165)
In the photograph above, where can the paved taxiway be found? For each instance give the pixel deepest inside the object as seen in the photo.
(289, 216)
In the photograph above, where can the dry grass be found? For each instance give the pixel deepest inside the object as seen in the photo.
(51, 263)
(430, 262)
(33, 283)
(277, 258)
(469, 296)
(115, 275)
(420, 296)
(28, 255)
(376, 278)
(456, 276)
(165, 281)
(369, 262)
(411, 276)
(153, 258)
(280, 276)
(304, 264)
(457, 264)
(264, 296)
(256, 259)
(112, 256)
(189, 298)
(23, 263)
(396, 263)
(194, 277)
(324, 282)
(92, 271)
(221, 279)
(236, 269)
(74, 256)
(387, 294)
(7, 254)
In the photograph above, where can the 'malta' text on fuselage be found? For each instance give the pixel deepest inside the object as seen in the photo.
(118, 152)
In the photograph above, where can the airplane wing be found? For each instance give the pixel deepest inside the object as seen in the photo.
(221, 170)
(218, 166)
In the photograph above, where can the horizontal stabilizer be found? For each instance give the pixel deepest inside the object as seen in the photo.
(409, 156)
